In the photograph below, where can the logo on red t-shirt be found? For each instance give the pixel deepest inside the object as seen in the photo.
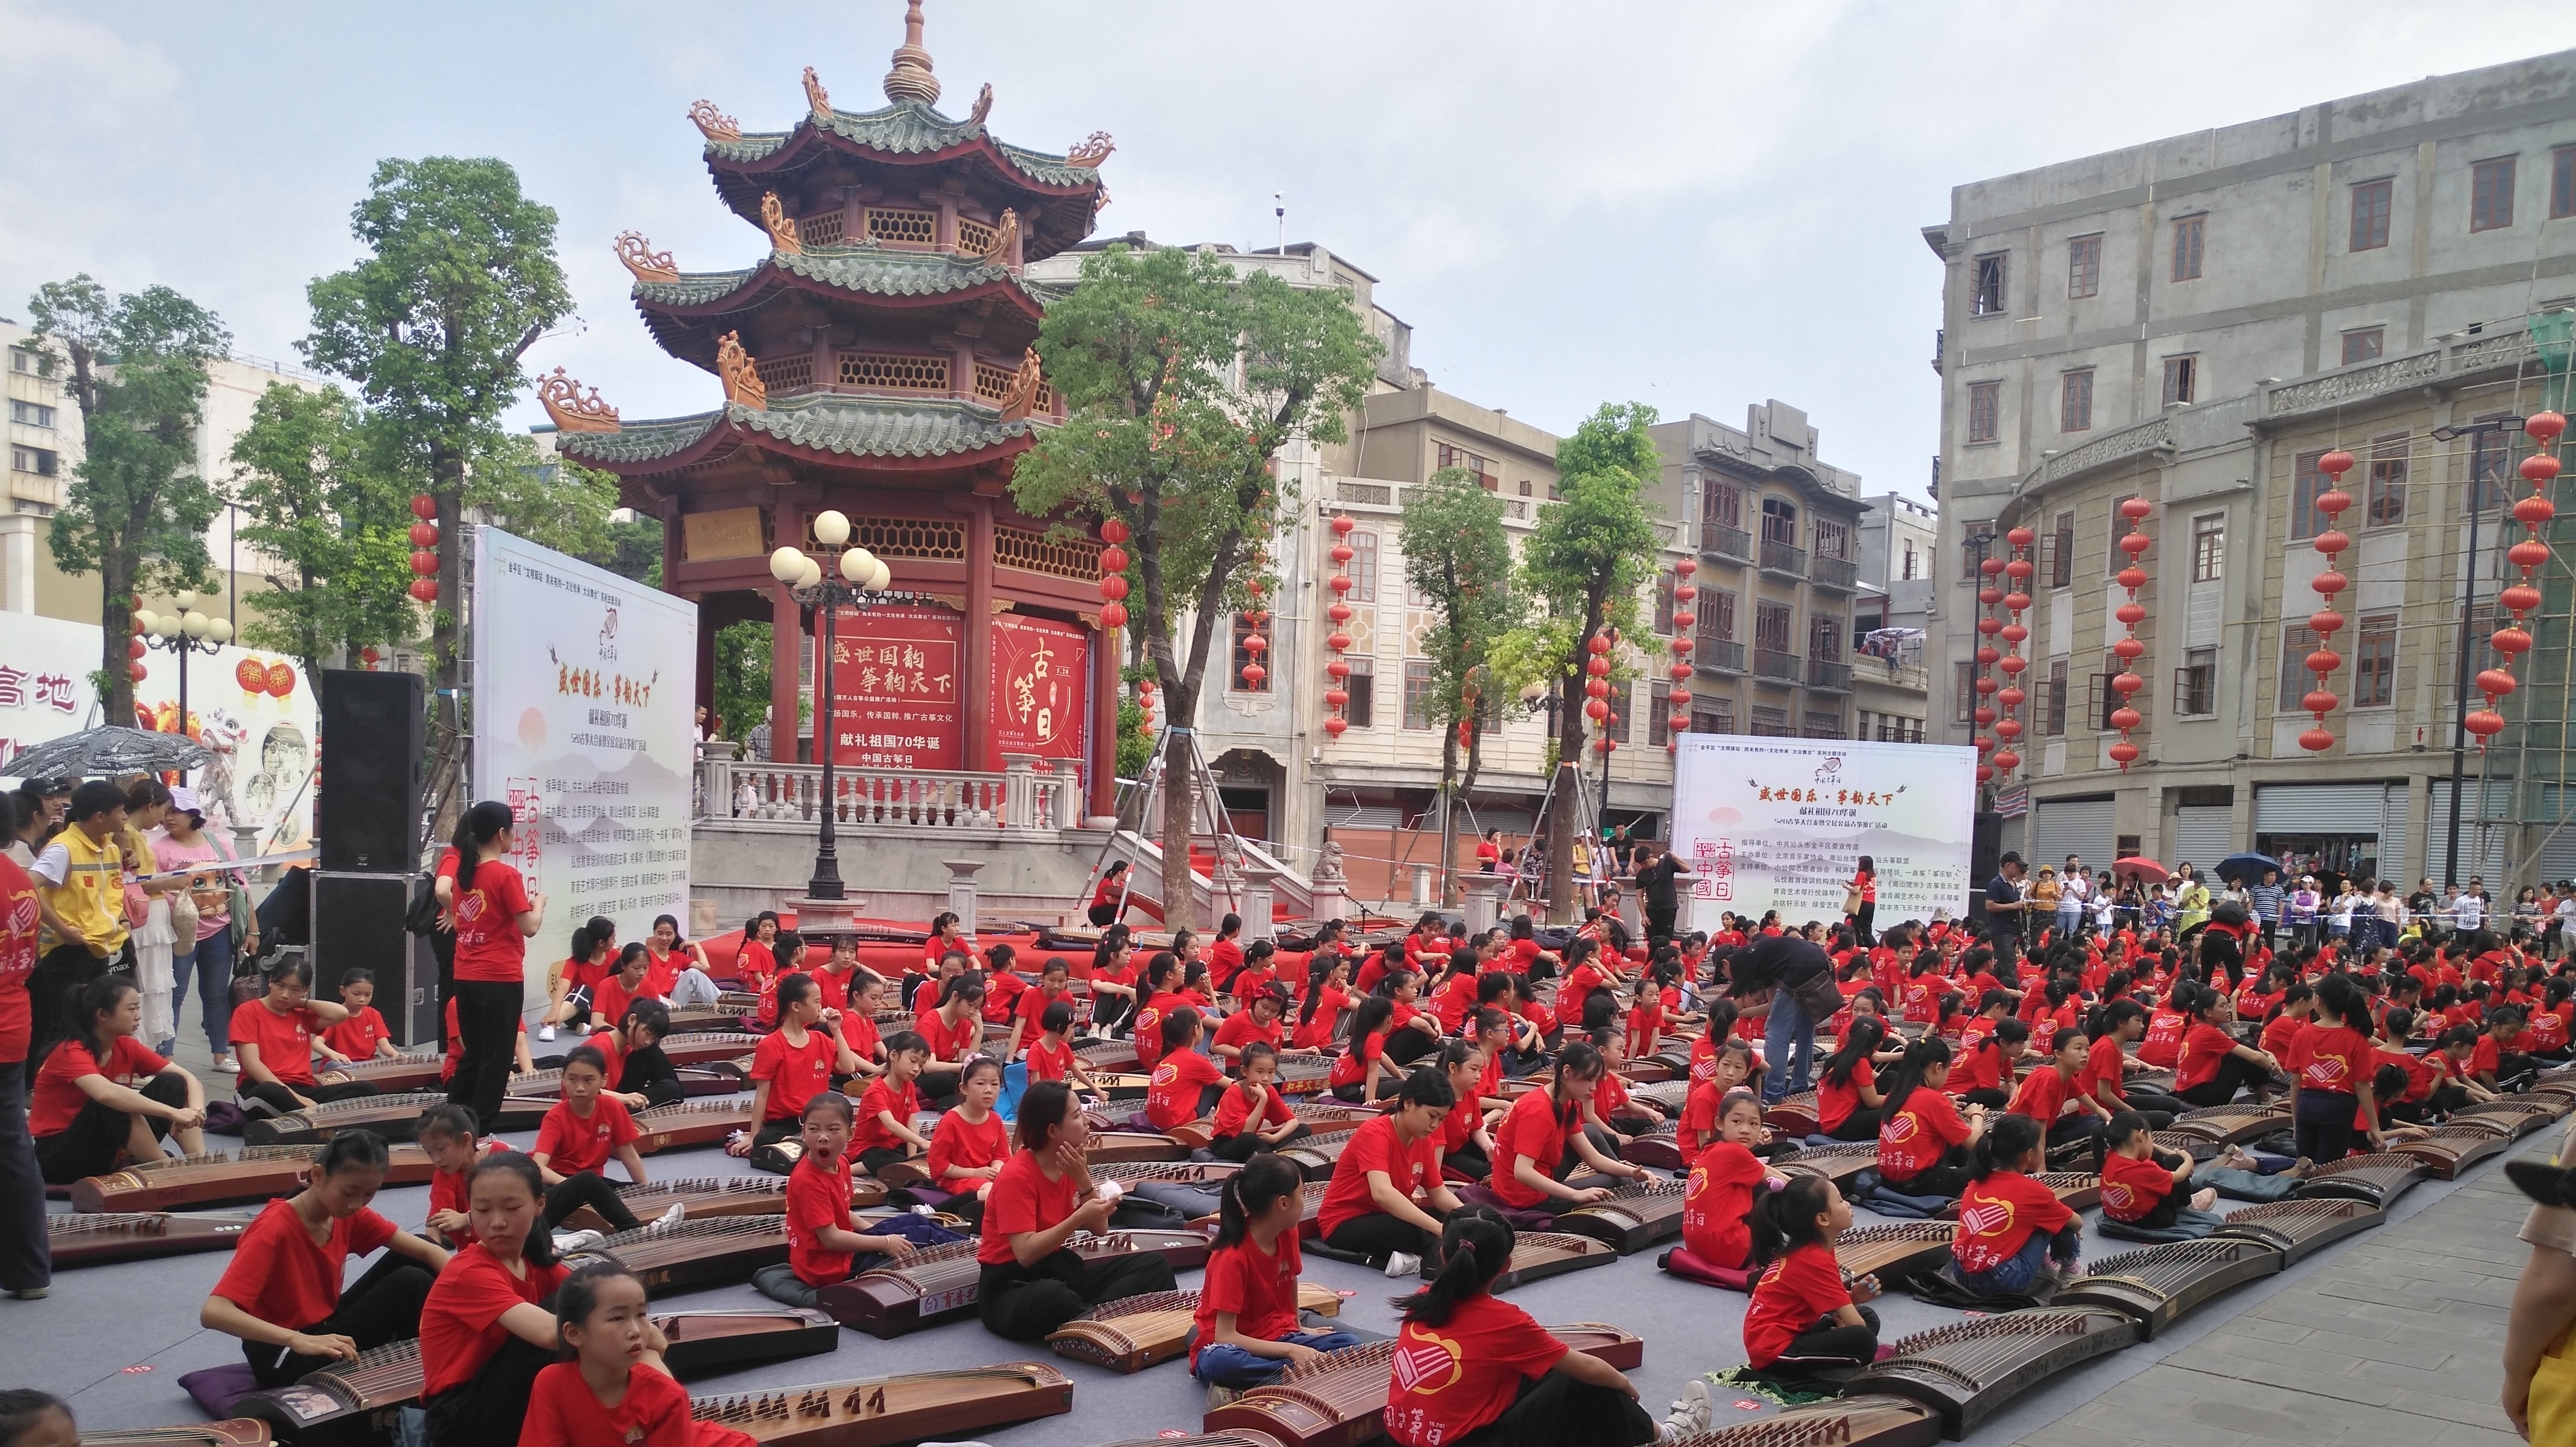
(1987, 1218)
(2326, 1072)
(1899, 1129)
(2115, 1197)
(1426, 1363)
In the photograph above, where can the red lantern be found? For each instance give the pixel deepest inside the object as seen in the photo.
(252, 675)
(1342, 525)
(424, 507)
(1599, 644)
(1253, 673)
(1113, 588)
(1335, 724)
(1597, 710)
(1113, 559)
(1113, 615)
(425, 564)
(281, 680)
(1466, 733)
(134, 648)
(1113, 531)
(424, 535)
(140, 672)
(2320, 700)
(369, 656)
(424, 590)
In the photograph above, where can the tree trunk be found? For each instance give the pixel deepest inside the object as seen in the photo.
(447, 758)
(1180, 815)
(1563, 804)
(116, 640)
(1448, 814)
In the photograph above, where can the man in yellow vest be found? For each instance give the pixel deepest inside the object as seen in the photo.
(80, 889)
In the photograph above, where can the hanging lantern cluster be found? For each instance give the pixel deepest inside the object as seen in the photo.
(1113, 574)
(2320, 700)
(2127, 682)
(2534, 512)
(1145, 701)
(1685, 624)
(135, 647)
(1471, 694)
(424, 548)
(1990, 596)
(1596, 689)
(1337, 670)
(1256, 621)
(2017, 574)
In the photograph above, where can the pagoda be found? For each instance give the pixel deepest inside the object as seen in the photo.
(878, 360)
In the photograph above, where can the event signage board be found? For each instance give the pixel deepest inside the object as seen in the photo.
(1041, 688)
(583, 690)
(1769, 823)
(896, 674)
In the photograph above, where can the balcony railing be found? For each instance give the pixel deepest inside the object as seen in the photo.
(755, 792)
(1724, 657)
(1776, 666)
(1834, 572)
(1721, 541)
(1782, 558)
(1828, 676)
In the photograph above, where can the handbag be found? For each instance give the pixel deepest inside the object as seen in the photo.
(183, 918)
(1851, 899)
(422, 917)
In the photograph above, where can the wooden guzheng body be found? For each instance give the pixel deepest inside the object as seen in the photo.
(2454, 1148)
(2520, 1114)
(1100, 1056)
(345, 1400)
(705, 1196)
(2297, 1228)
(1864, 1421)
(690, 1123)
(1125, 1147)
(1795, 1115)
(2199, 1148)
(1969, 1370)
(2231, 1124)
(693, 1254)
(544, 1087)
(393, 1074)
(1135, 1332)
(706, 1047)
(1303, 1072)
(1658, 1149)
(234, 1432)
(1668, 1096)
(1896, 1251)
(1211, 1174)
(1637, 1215)
(1836, 1163)
(256, 1173)
(944, 1283)
(84, 1239)
(2156, 1285)
(880, 1411)
(715, 1019)
(1325, 1119)
(1315, 1158)
(390, 1116)
(2377, 1179)
(2076, 1190)
(1538, 1255)
(1339, 1399)
(705, 1342)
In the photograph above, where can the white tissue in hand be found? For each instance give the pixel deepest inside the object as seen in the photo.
(1109, 1191)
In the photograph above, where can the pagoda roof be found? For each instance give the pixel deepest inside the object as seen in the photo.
(685, 315)
(821, 427)
(1057, 194)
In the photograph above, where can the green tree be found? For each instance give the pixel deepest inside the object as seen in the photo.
(1181, 381)
(1459, 559)
(332, 529)
(551, 502)
(1586, 559)
(742, 677)
(136, 510)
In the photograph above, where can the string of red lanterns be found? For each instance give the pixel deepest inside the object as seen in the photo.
(2320, 700)
(1255, 620)
(1337, 669)
(1685, 621)
(424, 548)
(2016, 602)
(1596, 689)
(2131, 614)
(1989, 597)
(1113, 570)
(2534, 512)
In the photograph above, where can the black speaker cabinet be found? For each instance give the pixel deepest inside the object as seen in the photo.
(358, 924)
(1985, 846)
(369, 798)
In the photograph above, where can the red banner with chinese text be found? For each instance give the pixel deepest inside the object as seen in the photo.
(1041, 683)
(897, 673)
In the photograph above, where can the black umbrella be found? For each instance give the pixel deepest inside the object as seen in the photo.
(105, 752)
(2246, 866)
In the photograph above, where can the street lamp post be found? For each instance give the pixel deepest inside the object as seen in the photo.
(857, 581)
(180, 634)
(2480, 430)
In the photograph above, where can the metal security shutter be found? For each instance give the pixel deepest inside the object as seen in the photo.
(2072, 826)
(2319, 808)
(2396, 858)
(2202, 837)
(2481, 848)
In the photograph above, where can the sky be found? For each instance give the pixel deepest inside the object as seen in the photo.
(1698, 206)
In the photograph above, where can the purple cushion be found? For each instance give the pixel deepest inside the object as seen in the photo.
(220, 1389)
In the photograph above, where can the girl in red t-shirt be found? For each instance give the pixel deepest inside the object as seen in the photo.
(591, 960)
(791, 1064)
(1252, 1116)
(101, 1093)
(615, 1390)
(1719, 1196)
(1804, 1318)
(1324, 1003)
(580, 1135)
(1247, 1329)
(1031, 1284)
(1847, 1098)
(2148, 1188)
(2332, 1066)
(1465, 1145)
(971, 1142)
(484, 1334)
(1923, 1140)
(273, 1040)
(2012, 1230)
(489, 908)
(1112, 980)
(824, 1245)
(2212, 1066)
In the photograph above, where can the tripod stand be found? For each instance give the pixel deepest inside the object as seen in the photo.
(1565, 802)
(1208, 821)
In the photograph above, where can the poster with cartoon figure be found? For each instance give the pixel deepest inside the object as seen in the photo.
(1765, 823)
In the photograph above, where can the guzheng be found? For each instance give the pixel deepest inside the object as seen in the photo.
(1206, 1439)
(706, 1047)
(1895, 1252)
(2231, 1124)
(545, 1087)
(1315, 1158)
(703, 1343)
(2297, 1228)
(1326, 1118)
(2378, 1178)
(393, 1073)
(943, 1283)
(2076, 1190)
(1836, 1163)
(1538, 1255)
(1637, 1215)
(2199, 1148)
(1667, 1096)
(344, 1401)
(254, 1174)
(690, 1123)
(1303, 1072)
(2455, 1147)
(881, 1411)
(1123, 1087)
(1135, 1332)
(1210, 1174)
(1657, 1149)
(234, 1432)
(1122, 1147)
(1969, 1370)
(1795, 1115)
(715, 1019)
(705, 1196)
(1864, 1421)
(1339, 1399)
(692, 1254)
(2158, 1082)
(86, 1239)
(1098, 1056)
(2521, 1114)
(390, 1116)
(2158, 1284)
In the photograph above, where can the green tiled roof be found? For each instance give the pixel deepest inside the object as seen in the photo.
(867, 269)
(817, 422)
(909, 128)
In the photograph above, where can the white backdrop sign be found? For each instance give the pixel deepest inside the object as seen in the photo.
(583, 685)
(1766, 824)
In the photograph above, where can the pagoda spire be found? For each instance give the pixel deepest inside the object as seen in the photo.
(911, 80)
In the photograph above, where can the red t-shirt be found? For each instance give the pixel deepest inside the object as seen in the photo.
(1451, 1003)
(1997, 1216)
(1714, 1204)
(447, 1188)
(882, 1097)
(19, 917)
(609, 999)
(1451, 1379)
(489, 946)
(1172, 1098)
(285, 1041)
(1835, 1103)
(1240, 1029)
(1149, 1026)
(1234, 1112)
(572, 1144)
(961, 1142)
(1225, 961)
(1023, 1199)
(2106, 1065)
(563, 1412)
(2332, 1060)
(460, 1323)
(662, 971)
(1374, 1147)
(58, 1098)
(796, 1073)
(1351, 1066)
(949, 1042)
(1531, 1128)
(1978, 1068)
(1032, 1007)
(2043, 1095)
(1587, 977)
(818, 1195)
(1260, 1290)
(831, 987)
(2203, 1046)
(2162, 1045)
(278, 1275)
(356, 1036)
(1913, 1137)
(1048, 1062)
(1788, 1298)
(2277, 1034)
(2132, 1186)
(1317, 1033)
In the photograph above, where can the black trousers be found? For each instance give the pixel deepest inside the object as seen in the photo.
(1470, 1158)
(1024, 1303)
(588, 1188)
(1356, 1092)
(1377, 1236)
(2323, 1128)
(61, 974)
(1249, 1144)
(1408, 1045)
(2235, 1073)
(488, 1410)
(1102, 916)
(1861, 922)
(877, 1159)
(1946, 1177)
(2075, 1128)
(26, 1260)
(487, 1022)
(1829, 1344)
(379, 1307)
(1555, 1410)
(1659, 926)
(90, 1145)
(1860, 1125)
(1990, 1099)
(282, 1099)
(772, 1132)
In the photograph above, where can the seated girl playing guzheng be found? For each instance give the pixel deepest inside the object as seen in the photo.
(1923, 1139)
(1369, 1208)
(824, 1246)
(1028, 1012)
(971, 1143)
(1050, 1056)
(1362, 1072)
(101, 1094)
(1184, 1083)
(2211, 1067)
(273, 1040)
(1805, 1318)
(791, 1065)
(580, 1134)
(485, 1331)
(2013, 1231)
(883, 1134)
(1847, 1100)
(1247, 1332)
(2148, 1188)
(1464, 1144)
(1474, 1371)
(446, 1135)
(1723, 1180)
(1252, 1115)
(281, 1292)
(612, 1389)
(363, 1036)
(953, 1030)
(1542, 1137)
(1031, 1283)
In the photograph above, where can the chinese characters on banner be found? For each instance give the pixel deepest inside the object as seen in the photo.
(1041, 688)
(1782, 824)
(896, 678)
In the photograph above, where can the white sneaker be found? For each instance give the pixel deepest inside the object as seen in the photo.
(1403, 1264)
(227, 1065)
(546, 1032)
(568, 1242)
(1690, 1411)
(678, 1213)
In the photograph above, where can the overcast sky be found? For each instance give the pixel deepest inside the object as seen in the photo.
(1693, 205)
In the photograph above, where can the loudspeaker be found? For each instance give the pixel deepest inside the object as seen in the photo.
(358, 924)
(369, 803)
(1985, 846)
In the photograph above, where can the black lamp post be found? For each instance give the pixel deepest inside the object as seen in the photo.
(182, 633)
(2480, 430)
(857, 581)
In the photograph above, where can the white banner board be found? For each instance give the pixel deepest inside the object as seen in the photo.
(1765, 824)
(583, 686)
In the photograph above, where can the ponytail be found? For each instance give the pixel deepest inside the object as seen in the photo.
(1783, 1217)
(2110, 1017)
(475, 828)
(2003, 1145)
(1863, 1038)
(578, 1297)
(1920, 1057)
(1248, 1192)
(1475, 1247)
